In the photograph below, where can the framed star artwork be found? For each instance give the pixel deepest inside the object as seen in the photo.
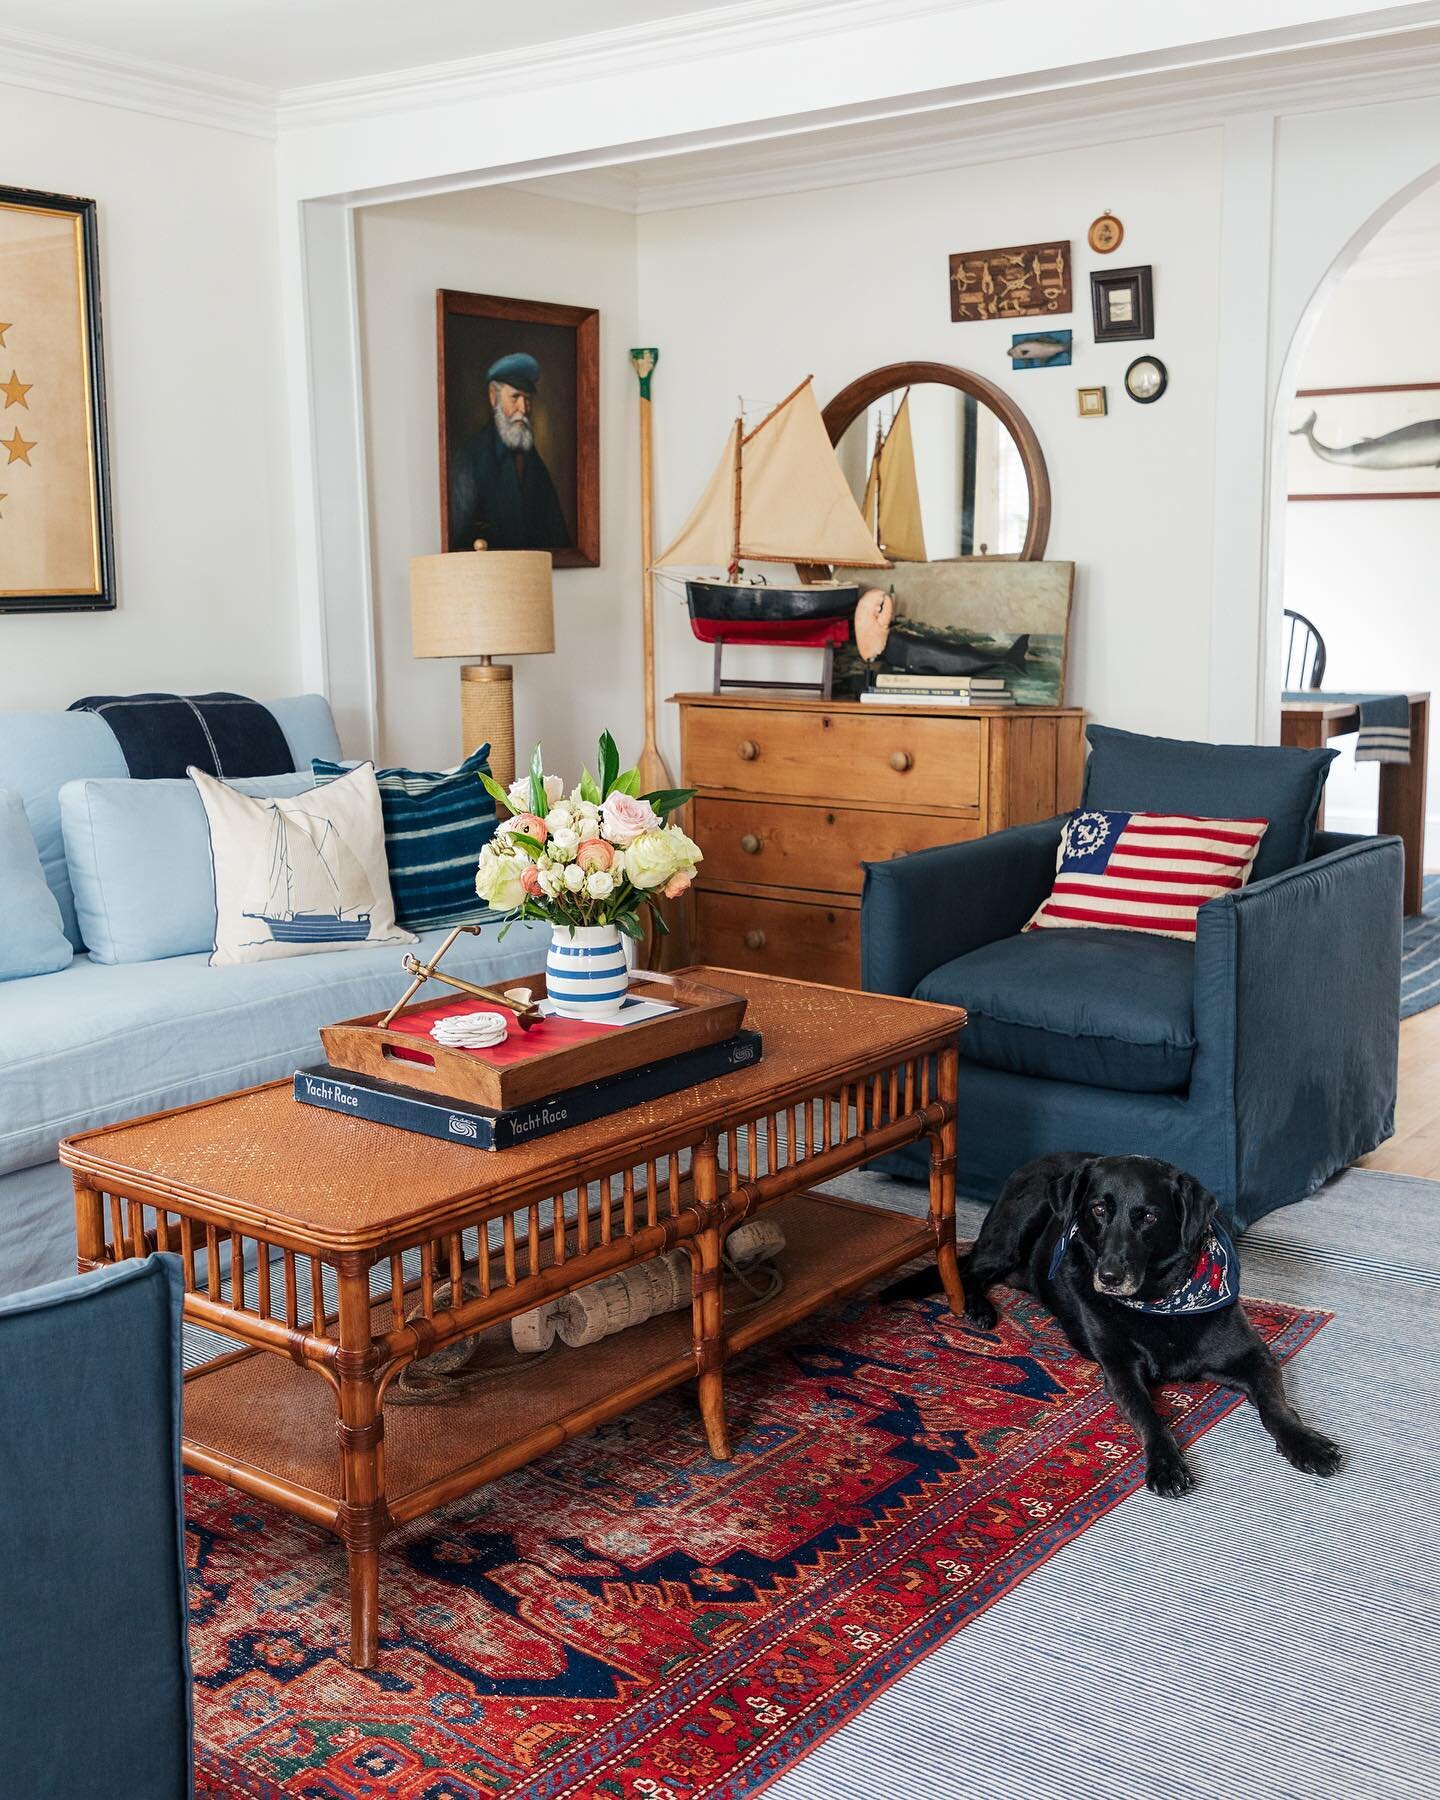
(55, 543)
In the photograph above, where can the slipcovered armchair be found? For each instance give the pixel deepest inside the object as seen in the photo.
(1262, 1058)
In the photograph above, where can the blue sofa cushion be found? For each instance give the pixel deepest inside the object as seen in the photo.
(97, 1042)
(32, 937)
(41, 751)
(140, 868)
(436, 824)
(1128, 772)
(1102, 1008)
(94, 1659)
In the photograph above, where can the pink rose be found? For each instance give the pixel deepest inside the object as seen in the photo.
(530, 881)
(530, 826)
(677, 884)
(594, 853)
(623, 818)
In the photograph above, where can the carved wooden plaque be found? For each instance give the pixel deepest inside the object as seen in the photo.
(1029, 281)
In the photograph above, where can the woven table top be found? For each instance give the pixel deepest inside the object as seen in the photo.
(260, 1158)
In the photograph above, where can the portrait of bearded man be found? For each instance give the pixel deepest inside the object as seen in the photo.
(500, 489)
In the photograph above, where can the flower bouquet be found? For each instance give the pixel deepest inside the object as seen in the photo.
(590, 864)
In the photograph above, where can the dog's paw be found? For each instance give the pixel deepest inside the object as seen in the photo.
(1311, 1452)
(1168, 1473)
(980, 1314)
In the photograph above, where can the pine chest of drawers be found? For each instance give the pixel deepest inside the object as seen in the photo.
(794, 796)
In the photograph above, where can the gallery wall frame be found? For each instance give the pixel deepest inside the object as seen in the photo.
(473, 331)
(56, 541)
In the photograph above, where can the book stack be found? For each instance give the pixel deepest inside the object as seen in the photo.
(485, 1128)
(894, 689)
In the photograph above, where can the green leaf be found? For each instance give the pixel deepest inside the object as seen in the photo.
(630, 925)
(659, 920)
(668, 800)
(496, 792)
(538, 804)
(628, 783)
(533, 845)
(609, 763)
(589, 791)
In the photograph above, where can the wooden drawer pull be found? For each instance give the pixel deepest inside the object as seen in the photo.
(754, 940)
(901, 760)
(747, 750)
(751, 844)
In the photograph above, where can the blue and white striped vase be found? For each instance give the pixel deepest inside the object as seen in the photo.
(585, 971)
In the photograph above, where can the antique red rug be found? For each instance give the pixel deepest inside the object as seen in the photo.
(629, 1618)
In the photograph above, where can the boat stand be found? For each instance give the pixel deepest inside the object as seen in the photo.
(821, 688)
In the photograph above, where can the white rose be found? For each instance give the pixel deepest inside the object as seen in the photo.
(562, 845)
(497, 880)
(551, 879)
(554, 789)
(518, 794)
(650, 861)
(599, 883)
(574, 877)
(687, 853)
(617, 866)
(559, 818)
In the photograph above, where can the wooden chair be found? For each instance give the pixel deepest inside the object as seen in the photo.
(1304, 650)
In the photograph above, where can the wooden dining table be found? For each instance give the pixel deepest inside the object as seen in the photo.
(1307, 724)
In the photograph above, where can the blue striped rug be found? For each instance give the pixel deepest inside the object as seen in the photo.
(1420, 957)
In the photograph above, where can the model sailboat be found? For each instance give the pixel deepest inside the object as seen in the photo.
(892, 493)
(318, 892)
(778, 495)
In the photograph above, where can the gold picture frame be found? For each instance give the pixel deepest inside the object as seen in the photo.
(1091, 403)
(56, 552)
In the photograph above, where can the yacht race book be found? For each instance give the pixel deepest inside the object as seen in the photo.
(462, 1122)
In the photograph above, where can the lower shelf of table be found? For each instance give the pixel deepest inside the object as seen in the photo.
(262, 1421)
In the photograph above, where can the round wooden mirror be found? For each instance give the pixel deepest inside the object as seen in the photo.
(942, 463)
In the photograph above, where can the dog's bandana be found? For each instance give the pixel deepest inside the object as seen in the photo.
(1214, 1282)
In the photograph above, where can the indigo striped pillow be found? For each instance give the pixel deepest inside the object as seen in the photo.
(436, 823)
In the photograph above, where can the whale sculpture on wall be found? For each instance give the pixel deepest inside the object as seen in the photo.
(1411, 447)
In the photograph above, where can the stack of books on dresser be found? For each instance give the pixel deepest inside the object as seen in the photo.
(895, 689)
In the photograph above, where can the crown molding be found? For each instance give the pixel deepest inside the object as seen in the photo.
(32, 59)
(945, 134)
(743, 26)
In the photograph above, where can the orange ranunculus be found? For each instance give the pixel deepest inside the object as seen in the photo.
(677, 884)
(594, 853)
(531, 826)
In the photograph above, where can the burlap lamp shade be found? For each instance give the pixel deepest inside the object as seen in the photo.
(484, 603)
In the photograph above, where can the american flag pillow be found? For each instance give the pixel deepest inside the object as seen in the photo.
(1134, 871)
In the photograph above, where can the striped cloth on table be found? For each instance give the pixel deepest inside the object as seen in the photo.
(436, 824)
(1151, 872)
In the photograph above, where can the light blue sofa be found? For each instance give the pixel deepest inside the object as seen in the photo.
(93, 1043)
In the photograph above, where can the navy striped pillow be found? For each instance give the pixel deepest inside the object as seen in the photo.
(436, 823)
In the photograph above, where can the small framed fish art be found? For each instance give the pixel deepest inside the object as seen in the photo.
(1366, 443)
(1040, 350)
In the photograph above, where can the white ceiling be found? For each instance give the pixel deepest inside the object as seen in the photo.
(275, 45)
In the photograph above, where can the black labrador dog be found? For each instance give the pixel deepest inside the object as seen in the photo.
(1128, 1255)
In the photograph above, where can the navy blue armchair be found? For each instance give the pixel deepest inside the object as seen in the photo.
(1262, 1058)
(94, 1660)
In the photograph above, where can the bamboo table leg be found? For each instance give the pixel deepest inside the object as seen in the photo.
(360, 1429)
(708, 1303)
(942, 1182)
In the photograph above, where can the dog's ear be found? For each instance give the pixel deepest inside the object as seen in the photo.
(1068, 1191)
(1198, 1207)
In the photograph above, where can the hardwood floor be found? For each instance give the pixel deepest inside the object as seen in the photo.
(1415, 1147)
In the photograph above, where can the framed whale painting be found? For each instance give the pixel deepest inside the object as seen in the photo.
(55, 550)
(1366, 443)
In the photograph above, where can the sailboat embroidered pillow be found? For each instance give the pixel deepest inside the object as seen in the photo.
(293, 876)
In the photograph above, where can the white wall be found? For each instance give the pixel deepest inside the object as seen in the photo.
(199, 470)
(1368, 571)
(530, 247)
(750, 297)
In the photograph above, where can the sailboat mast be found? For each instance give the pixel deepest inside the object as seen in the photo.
(879, 446)
(734, 569)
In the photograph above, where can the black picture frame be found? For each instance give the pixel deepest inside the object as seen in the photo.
(1164, 373)
(1137, 318)
(100, 597)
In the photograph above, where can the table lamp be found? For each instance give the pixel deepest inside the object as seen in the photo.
(484, 603)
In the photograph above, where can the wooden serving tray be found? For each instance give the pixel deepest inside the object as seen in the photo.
(704, 1015)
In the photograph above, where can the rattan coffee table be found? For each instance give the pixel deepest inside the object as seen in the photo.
(357, 1236)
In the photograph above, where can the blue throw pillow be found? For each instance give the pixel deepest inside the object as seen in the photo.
(1128, 772)
(436, 824)
(33, 940)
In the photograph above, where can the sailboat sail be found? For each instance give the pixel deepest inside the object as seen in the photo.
(318, 891)
(794, 504)
(892, 493)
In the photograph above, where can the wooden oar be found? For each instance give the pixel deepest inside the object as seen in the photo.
(653, 773)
